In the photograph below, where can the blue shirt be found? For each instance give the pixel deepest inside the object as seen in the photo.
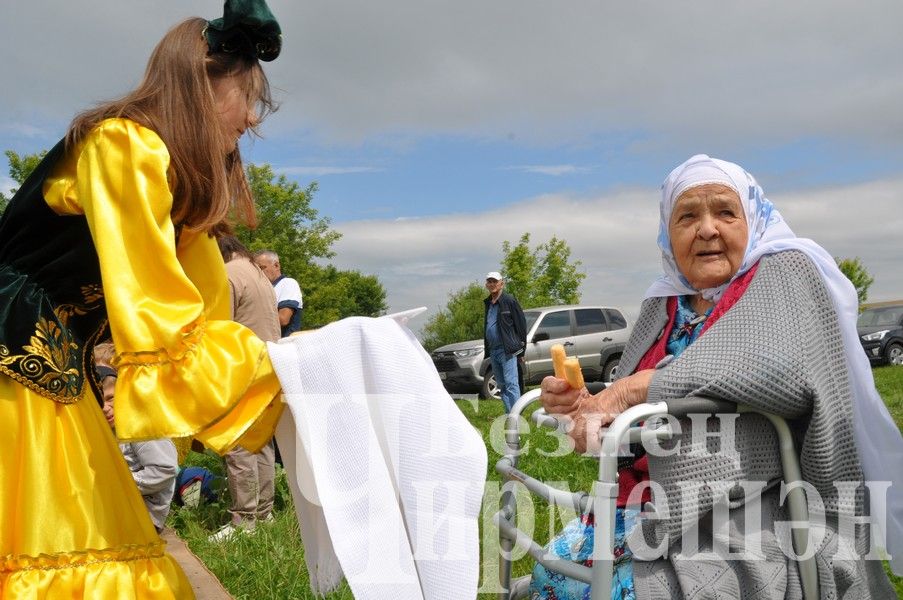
(492, 327)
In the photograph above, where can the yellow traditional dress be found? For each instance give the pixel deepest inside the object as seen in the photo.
(72, 523)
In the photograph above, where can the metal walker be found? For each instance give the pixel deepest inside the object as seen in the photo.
(601, 501)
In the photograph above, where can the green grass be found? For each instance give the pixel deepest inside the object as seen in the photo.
(889, 381)
(270, 562)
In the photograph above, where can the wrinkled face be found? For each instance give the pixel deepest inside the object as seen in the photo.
(494, 286)
(236, 113)
(269, 267)
(708, 235)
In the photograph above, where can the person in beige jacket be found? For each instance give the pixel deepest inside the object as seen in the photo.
(249, 475)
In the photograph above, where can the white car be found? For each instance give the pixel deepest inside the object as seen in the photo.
(596, 335)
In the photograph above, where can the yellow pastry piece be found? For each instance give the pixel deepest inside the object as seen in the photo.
(573, 373)
(558, 358)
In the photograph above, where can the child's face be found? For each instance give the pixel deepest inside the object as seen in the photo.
(108, 388)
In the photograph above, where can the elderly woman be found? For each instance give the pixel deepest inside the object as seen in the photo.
(749, 313)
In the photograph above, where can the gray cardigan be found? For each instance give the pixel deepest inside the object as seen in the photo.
(777, 349)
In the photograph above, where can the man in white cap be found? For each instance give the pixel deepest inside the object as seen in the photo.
(504, 337)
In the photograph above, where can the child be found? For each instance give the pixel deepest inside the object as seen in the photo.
(153, 463)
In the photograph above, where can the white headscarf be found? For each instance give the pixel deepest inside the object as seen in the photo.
(878, 439)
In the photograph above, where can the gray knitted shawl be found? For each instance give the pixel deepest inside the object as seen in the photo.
(778, 349)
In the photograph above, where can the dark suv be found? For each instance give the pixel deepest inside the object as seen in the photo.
(881, 333)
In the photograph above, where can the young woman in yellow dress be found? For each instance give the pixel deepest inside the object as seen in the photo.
(111, 236)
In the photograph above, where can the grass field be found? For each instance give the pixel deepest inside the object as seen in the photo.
(889, 381)
(270, 562)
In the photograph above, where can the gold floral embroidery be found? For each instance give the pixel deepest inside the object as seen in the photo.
(50, 364)
(51, 360)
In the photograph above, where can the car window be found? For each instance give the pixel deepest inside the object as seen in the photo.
(556, 324)
(530, 316)
(615, 319)
(589, 320)
(888, 315)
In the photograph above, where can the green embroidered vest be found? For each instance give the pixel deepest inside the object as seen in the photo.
(52, 310)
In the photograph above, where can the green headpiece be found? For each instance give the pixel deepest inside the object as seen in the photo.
(247, 27)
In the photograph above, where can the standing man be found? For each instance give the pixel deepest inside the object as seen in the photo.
(504, 337)
(250, 475)
(288, 292)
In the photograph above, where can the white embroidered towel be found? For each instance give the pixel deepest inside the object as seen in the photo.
(386, 473)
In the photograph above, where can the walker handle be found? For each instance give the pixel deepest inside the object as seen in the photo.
(681, 407)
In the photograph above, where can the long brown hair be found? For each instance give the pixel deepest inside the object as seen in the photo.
(175, 100)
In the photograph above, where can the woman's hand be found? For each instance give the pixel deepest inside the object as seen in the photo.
(576, 408)
(588, 413)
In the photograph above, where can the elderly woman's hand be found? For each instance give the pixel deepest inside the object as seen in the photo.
(587, 413)
(558, 397)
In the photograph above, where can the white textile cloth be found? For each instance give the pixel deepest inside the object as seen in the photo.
(878, 439)
(386, 473)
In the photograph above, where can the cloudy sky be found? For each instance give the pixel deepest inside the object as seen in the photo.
(436, 130)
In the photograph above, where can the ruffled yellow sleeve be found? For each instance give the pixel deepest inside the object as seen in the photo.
(184, 368)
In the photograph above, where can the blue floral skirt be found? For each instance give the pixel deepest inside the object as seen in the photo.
(575, 543)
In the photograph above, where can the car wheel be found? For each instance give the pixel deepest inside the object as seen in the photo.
(610, 370)
(490, 387)
(894, 354)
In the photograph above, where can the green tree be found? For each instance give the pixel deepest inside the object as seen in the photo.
(543, 276)
(857, 274)
(331, 294)
(288, 224)
(294, 229)
(460, 320)
(20, 167)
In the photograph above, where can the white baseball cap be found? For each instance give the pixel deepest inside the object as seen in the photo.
(494, 275)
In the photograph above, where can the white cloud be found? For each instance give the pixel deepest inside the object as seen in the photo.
(540, 70)
(553, 170)
(7, 185)
(528, 69)
(321, 171)
(420, 261)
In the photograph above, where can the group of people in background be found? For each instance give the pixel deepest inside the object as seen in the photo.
(270, 305)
